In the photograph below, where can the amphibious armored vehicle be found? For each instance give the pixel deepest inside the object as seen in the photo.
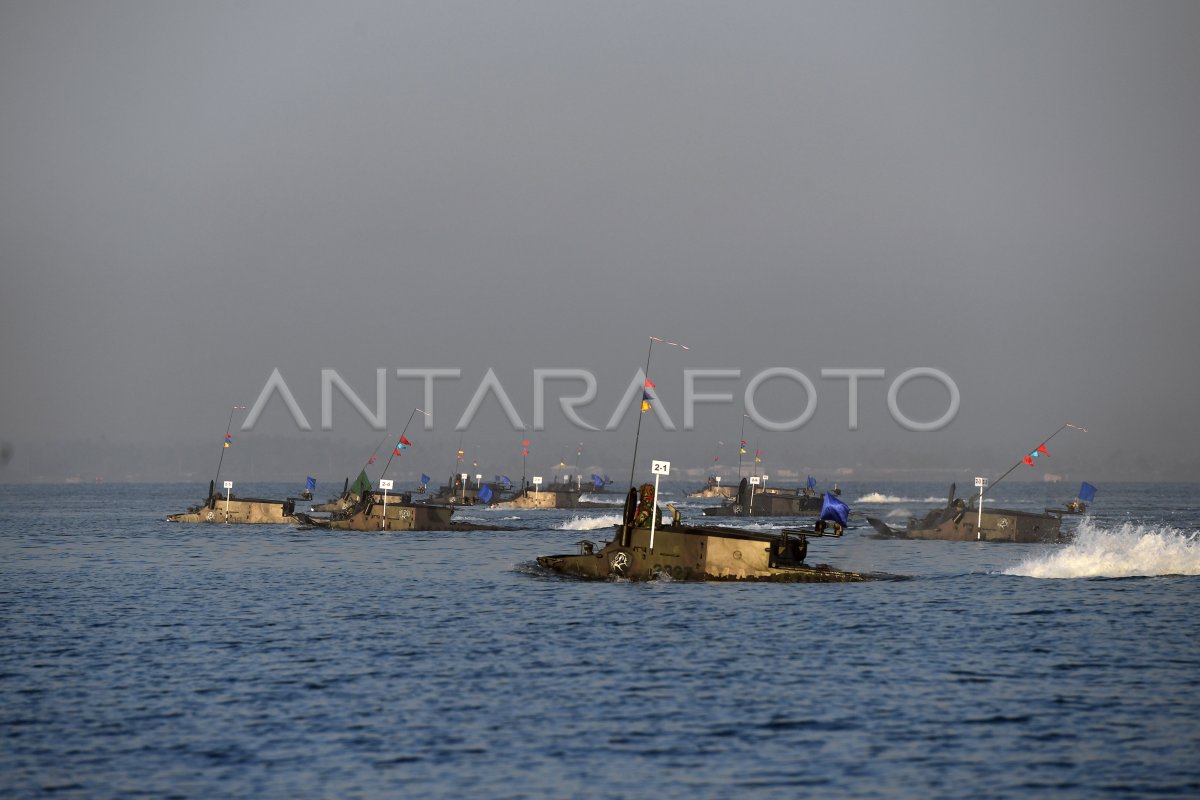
(960, 520)
(238, 510)
(714, 488)
(372, 512)
(642, 549)
(753, 501)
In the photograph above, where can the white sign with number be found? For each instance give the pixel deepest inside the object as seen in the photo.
(385, 483)
(660, 467)
(754, 480)
(981, 482)
(537, 480)
(228, 484)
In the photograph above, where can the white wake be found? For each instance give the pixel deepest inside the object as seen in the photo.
(879, 497)
(1126, 551)
(578, 523)
(603, 499)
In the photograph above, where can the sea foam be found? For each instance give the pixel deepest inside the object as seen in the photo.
(604, 499)
(1126, 551)
(578, 523)
(879, 497)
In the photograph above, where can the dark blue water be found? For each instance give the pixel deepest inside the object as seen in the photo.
(144, 659)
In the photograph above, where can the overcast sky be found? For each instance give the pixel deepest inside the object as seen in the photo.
(195, 194)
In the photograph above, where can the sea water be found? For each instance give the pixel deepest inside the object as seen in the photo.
(140, 658)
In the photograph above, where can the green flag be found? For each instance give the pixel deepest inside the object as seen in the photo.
(361, 485)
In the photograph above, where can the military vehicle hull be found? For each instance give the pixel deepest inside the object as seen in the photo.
(961, 524)
(749, 501)
(551, 498)
(349, 499)
(714, 489)
(697, 553)
(769, 503)
(373, 515)
(337, 504)
(457, 496)
(240, 511)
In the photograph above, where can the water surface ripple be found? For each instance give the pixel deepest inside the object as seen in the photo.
(144, 659)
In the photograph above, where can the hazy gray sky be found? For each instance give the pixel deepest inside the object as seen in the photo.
(195, 194)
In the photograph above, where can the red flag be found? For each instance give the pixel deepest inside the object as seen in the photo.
(649, 385)
(1042, 449)
(404, 441)
(524, 452)
(396, 452)
(1028, 460)
(758, 452)
(525, 443)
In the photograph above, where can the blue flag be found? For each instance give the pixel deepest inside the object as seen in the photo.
(425, 479)
(812, 483)
(597, 481)
(834, 510)
(485, 494)
(504, 479)
(1087, 492)
(311, 483)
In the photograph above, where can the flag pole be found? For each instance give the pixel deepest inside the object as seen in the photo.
(402, 432)
(991, 485)
(638, 435)
(646, 377)
(225, 443)
(375, 452)
(741, 447)
(578, 477)
(457, 458)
